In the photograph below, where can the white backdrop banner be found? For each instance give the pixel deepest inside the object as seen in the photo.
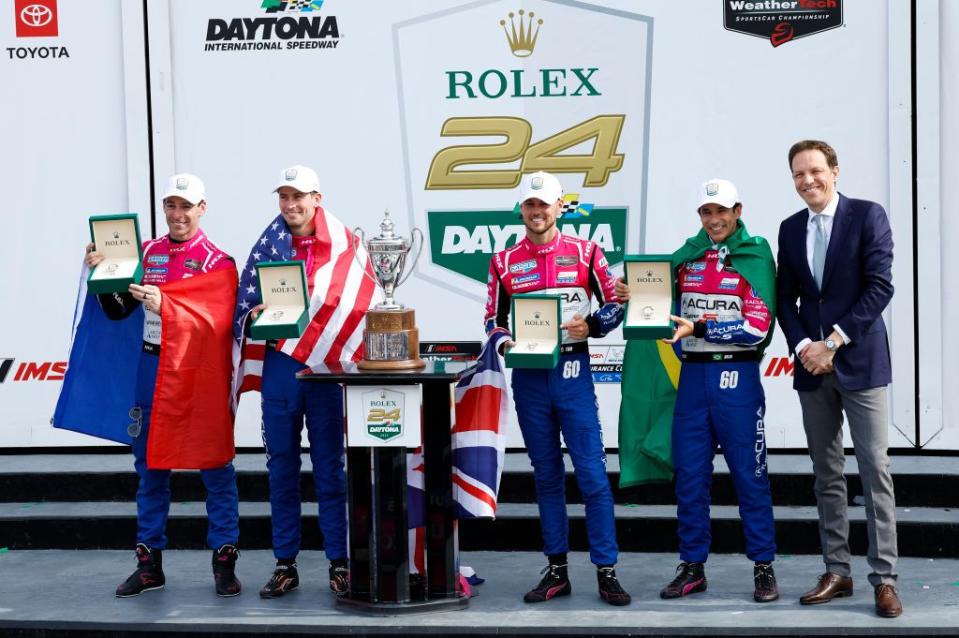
(434, 110)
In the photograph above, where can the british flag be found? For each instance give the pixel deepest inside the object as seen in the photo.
(479, 438)
(478, 441)
(340, 296)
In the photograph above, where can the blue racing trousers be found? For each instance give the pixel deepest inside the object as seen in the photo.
(287, 402)
(721, 403)
(153, 493)
(563, 401)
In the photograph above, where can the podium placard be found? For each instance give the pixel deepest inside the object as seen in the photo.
(651, 292)
(536, 332)
(387, 416)
(284, 290)
(117, 238)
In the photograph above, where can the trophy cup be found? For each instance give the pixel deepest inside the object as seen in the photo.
(391, 340)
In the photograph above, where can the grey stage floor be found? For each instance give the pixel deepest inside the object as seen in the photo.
(74, 589)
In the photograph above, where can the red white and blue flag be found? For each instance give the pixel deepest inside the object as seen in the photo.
(479, 437)
(340, 295)
(478, 441)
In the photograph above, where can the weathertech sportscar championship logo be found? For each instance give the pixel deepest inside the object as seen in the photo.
(286, 25)
(781, 21)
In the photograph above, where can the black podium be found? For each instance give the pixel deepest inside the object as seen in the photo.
(380, 581)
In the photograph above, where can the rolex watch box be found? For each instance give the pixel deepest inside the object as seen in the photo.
(536, 332)
(651, 297)
(117, 238)
(285, 293)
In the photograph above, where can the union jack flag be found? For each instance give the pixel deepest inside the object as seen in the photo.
(478, 441)
(340, 295)
(479, 438)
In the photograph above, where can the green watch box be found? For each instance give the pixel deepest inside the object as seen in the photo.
(284, 291)
(651, 297)
(117, 238)
(535, 322)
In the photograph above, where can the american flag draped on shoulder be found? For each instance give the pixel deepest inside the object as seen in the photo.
(341, 295)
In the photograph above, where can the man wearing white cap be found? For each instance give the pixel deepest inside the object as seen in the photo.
(339, 297)
(561, 401)
(183, 253)
(725, 283)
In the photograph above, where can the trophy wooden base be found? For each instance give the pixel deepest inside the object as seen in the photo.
(391, 341)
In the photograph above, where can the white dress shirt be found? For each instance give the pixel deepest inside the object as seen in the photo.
(828, 215)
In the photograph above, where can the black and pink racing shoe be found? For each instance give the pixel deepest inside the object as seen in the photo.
(554, 583)
(690, 579)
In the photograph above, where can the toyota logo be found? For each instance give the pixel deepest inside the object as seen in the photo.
(36, 15)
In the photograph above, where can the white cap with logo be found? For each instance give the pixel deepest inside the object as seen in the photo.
(302, 178)
(541, 186)
(718, 191)
(189, 187)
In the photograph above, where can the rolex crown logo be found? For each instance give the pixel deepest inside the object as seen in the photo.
(536, 315)
(521, 37)
(649, 273)
(116, 235)
(282, 282)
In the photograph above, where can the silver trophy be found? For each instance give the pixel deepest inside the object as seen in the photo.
(391, 339)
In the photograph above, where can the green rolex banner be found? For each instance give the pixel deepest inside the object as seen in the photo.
(651, 368)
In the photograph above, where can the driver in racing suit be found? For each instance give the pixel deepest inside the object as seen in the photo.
(723, 324)
(182, 253)
(561, 400)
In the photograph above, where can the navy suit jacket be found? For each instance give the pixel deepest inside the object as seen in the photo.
(857, 286)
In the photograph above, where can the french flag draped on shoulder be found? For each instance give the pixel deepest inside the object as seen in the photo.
(340, 295)
(479, 440)
(191, 426)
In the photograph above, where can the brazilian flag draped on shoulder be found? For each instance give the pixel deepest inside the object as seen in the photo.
(651, 368)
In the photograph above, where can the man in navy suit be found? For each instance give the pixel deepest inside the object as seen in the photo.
(834, 279)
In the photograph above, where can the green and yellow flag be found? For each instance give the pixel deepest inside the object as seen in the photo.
(651, 368)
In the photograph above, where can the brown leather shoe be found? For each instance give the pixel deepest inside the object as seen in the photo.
(888, 604)
(829, 586)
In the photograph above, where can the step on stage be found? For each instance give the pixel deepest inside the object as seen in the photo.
(70, 593)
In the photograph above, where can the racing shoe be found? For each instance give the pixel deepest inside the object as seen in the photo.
(224, 571)
(609, 588)
(148, 574)
(339, 577)
(285, 578)
(690, 579)
(764, 579)
(554, 583)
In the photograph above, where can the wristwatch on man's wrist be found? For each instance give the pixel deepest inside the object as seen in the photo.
(831, 345)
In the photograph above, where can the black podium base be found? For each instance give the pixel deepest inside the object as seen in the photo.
(396, 609)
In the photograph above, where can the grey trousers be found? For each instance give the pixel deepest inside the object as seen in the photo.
(867, 412)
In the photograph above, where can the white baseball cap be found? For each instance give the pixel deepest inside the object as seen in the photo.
(189, 187)
(302, 178)
(718, 191)
(541, 186)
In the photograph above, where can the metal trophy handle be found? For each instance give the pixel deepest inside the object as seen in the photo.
(419, 251)
(356, 256)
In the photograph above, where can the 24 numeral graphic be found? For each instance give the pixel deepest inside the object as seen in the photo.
(544, 155)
